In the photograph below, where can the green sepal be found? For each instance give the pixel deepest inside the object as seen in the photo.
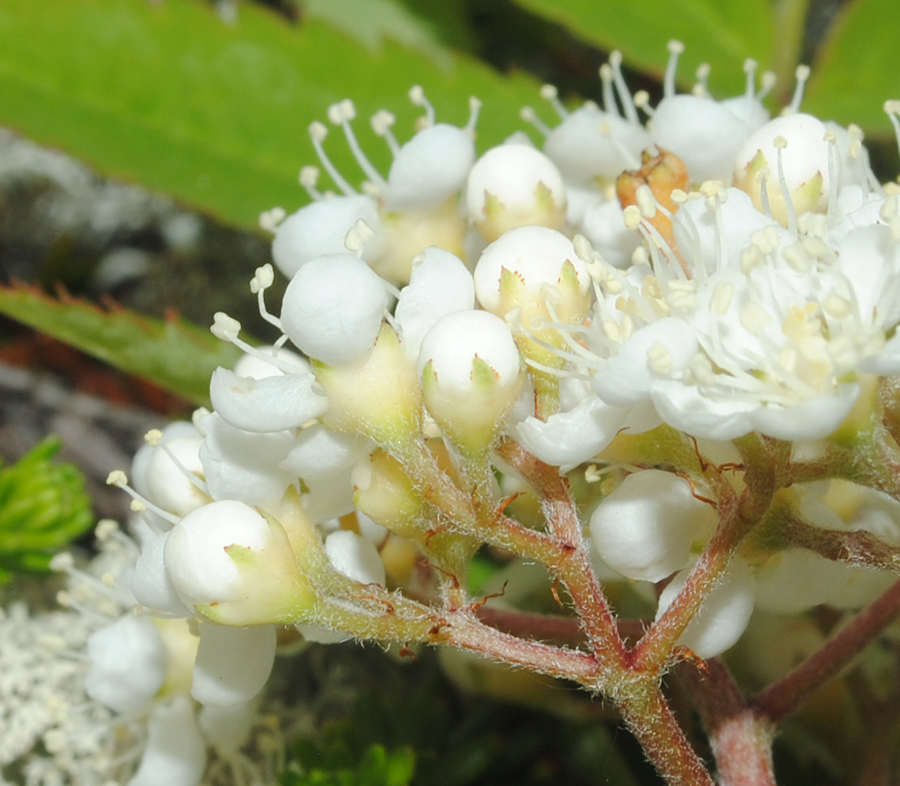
(278, 589)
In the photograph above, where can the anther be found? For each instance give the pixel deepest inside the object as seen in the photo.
(702, 87)
(632, 215)
(225, 327)
(646, 202)
(382, 122)
(270, 219)
(263, 278)
(357, 236)
(767, 81)
(528, 114)
(642, 102)
(417, 97)
(551, 95)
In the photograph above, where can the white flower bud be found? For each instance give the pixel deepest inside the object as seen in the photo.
(471, 374)
(176, 752)
(355, 557)
(333, 307)
(127, 664)
(255, 367)
(439, 284)
(166, 483)
(796, 579)
(274, 403)
(513, 186)
(725, 612)
(590, 144)
(457, 339)
(430, 168)
(703, 133)
(318, 229)
(233, 664)
(646, 528)
(535, 256)
(802, 180)
(197, 562)
(229, 727)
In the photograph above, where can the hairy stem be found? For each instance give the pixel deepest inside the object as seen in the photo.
(575, 569)
(742, 744)
(645, 710)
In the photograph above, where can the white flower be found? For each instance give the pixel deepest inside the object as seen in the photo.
(647, 528)
(438, 284)
(333, 307)
(705, 134)
(725, 612)
(128, 664)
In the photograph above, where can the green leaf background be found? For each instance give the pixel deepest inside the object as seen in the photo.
(175, 355)
(168, 96)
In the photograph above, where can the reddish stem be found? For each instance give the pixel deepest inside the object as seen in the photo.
(742, 744)
(859, 547)
(575, 569)
(549, 627)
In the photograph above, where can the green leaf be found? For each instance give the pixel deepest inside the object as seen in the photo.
(171, 353)
(167, 95)
(43, 506)
(722, 34)
(856, 71)
(371, 22)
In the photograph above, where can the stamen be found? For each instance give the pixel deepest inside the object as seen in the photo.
(551, 95)
(357, 236)
(609, 99)
(642, 102)
(261, 281)
(767, 81)
(153, 438)
(119, 479)
(780, 144)
(474, 110)
(615, 62)
(309, 177)
(226, 328)
(417, 97)
(341, 114)
(802, 74)
(317, 133)
(381, 122)
(528, 114)
(702, 87)
(675, 49)
(750, 66)
(646, 201)
(270, 219)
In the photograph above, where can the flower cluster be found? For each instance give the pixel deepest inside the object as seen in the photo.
(691, 314)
